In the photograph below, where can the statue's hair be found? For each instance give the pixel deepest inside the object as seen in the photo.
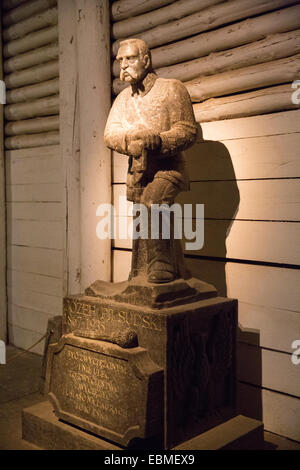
(142, 47)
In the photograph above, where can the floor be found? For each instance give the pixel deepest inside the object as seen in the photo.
(20, 386)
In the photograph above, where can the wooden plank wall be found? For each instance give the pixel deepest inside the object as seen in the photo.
(246, 171)
(3, 300)
(34, 181)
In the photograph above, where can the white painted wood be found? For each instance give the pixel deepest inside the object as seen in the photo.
(33, 140)
(36, 22)
(3, 308)
(41, 234)
(263, 286)
(35, 283)
(225, 38)
(272, 242)
(267, 100)
(29, 59)
(44, 152)
(36, 74)
(26, 10)
(29, 319)
(31, 41)
(50, 87)
(269, 369)
(126, 8)
(41, 193)
(205, 20)
(32, 126)
(268, 327)
(280, 413)
(35, 260)
(49, 211)
(93, 41)
(23, 338)
(272, 47)
(247, 78)
(121, 265)
(275, 156)
(276, 200)
(281, 123)
(69, 143)
(179, 9)
(34, 170)
(34, 300)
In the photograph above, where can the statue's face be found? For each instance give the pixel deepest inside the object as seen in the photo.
(133, 65)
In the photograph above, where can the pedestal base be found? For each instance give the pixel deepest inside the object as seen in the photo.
(41, 427)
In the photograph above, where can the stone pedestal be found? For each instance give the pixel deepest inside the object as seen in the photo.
(175, 381)
(41, 427)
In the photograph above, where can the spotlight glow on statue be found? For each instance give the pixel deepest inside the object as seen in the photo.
(152, 121)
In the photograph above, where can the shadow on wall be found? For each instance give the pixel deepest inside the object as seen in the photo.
(213, 183)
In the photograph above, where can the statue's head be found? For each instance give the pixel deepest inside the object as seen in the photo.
(135, 60)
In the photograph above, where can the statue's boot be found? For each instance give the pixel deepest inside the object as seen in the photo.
(160, 261)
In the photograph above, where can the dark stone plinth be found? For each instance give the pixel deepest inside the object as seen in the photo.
(138, 291)
(41, 427)
(238, 433)
(193, 343)
(113, 392)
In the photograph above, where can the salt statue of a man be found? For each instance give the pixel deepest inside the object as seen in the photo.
(151, 121)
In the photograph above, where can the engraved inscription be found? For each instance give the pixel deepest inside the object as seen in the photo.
(96, 387)
(83, 315)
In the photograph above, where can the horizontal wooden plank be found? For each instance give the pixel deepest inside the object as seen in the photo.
(34, 170)
(32, 140)
(35, 260)
(280, 413)
(273, 242)
(31, 41)
(35, 211)
(276, 200)
(249, 158)
(35, 23)
(205, 20)
(265, 286)
(259, 285)
(40, 234)
(269, 327)
(34, 193)
(286, 122)
(23, 338)
(35, 283)
(270, 369)
(36, 301)
(42, 152)
(28, 319)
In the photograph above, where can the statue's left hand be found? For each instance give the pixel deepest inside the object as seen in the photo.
(135, 148)
(149, 139)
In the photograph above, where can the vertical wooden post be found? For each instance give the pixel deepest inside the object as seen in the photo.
(93, 46)
(3, 300)
(69, 143)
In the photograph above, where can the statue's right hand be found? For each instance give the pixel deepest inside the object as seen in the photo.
(135, 148)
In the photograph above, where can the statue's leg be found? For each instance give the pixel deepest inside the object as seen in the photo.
(161, 253)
